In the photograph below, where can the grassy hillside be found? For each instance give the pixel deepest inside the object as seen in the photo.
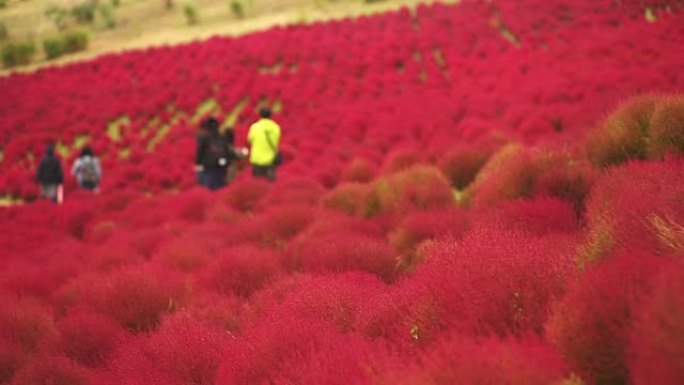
(143, 23)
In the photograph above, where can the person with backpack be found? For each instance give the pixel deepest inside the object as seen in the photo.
(264, 139)
(213, 155)
(87, 170)
(50, 175)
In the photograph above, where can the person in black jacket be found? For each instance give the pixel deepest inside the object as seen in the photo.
(50, 175)
(213, 155)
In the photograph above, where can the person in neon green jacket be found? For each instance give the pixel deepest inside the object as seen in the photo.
(264, 139)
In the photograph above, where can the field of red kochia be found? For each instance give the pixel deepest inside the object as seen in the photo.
(490, 192)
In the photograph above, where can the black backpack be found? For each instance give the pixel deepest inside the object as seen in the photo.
(217, 153)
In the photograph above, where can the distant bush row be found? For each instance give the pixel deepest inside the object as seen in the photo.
(82, 14)
(21, 53)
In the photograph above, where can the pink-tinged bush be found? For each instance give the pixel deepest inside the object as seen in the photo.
(464, 360)
(87, 338)
(344, 251)
(410, 237)
(591, 324)
(134, 297)
(182, 351)
(358, 170)
(460, 165)
(666, 128)
(348, 198)
(54, 370)
(26, 324)
(636, 206)
(240, 270)
(536, 216)
(656, 343)
(417, 188)
(294, 349)
(622, 136)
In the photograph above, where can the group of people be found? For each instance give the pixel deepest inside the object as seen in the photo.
(214, 160)
(216, 153)
(86, 169)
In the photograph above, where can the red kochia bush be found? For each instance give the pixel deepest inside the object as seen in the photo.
(418, 228)
(25, 324)
(334, 298)
(87, 338)
(343, 251)
(134, 297)
(348, 198)
(244, 196)
(566, 178)
(509, 174)
(12, 358)
(461, 165)
(358, 170)
(53, 370)
(656, 342)
(591, 324)
(240, 270)
(292, 349)
(295, 191)
(496, 281)
(464, 360)
(537, 216)
(417, 188)
(636, 205)
(183, 351)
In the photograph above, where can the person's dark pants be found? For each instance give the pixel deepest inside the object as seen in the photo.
(213, 178)
(268, 172)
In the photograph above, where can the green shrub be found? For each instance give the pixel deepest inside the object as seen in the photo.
(237, 9)
(57, 15)
(107, 16)
(75, 41)
(3, 3)
(191, 16)
(53, 47)
(20, 53)
(115, 3)
(623, 135)
(666, 135)
(84, 13)
(4, 32)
